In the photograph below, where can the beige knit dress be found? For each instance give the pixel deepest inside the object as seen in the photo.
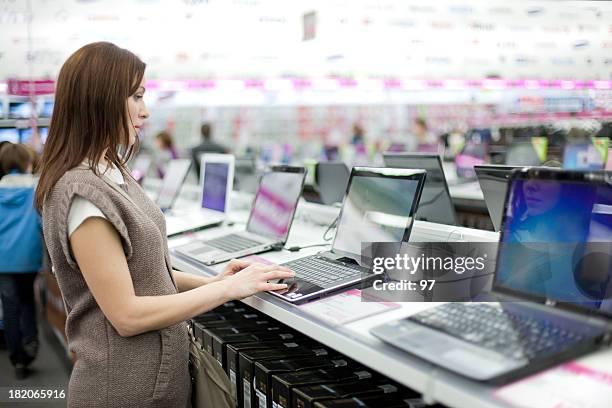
(147, 370)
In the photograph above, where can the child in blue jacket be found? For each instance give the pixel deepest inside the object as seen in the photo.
(20, 254)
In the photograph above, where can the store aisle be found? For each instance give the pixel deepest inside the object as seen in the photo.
(50, 370)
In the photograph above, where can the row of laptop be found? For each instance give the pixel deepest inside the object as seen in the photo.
(540, 318)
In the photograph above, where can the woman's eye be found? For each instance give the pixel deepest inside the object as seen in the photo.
(137, 97)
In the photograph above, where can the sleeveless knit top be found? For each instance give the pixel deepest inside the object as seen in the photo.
(146, 370)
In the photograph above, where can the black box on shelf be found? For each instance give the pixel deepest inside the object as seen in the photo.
(248, 358)
(306, 396)
(220, 341)
(204, 338)
(284, 383)
(264, 370)
(234, 350)
(374, 401)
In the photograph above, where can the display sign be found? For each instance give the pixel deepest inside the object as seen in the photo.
(33, 87)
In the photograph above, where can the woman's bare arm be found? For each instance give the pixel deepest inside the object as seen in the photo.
(99, 254)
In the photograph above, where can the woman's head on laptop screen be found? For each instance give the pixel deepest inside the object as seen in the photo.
(556, 240)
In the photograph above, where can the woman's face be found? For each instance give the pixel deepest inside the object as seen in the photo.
(541, 196)
(137, 112)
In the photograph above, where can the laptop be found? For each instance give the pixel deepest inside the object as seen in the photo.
(176, 173)
(493, 181)
(527, 153)
(435, 204)
(552, 285)
(472, 154)
(141, 166)
(379, 205)
(216, 181)
(586, 156)
(269, 221)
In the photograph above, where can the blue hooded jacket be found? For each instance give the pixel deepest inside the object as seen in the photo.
(20, 230)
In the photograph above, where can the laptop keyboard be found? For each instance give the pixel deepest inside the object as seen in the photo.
(514, 335)
(321, 271)
(232, 243)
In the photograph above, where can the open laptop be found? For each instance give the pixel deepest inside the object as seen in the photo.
(216, 181)
(591, 155)
(471, 155)
(493, 181)
(435, 204)
(552, 288)
(176, 172)
(527, 153)
(140, 168)
(379, 205)
(269, 221)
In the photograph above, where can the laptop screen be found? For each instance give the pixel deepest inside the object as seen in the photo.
(556, 239)
(20, 110)
(472, 154)
(140, 168)
(215, 185)
(9, 135)
(172, 182)
(378, 207)
(493, 182)
(435, 204)
(585, 156)
(275, 202)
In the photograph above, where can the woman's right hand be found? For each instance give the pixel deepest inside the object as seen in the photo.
(256, 278)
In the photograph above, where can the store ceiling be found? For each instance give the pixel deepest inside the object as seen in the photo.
(197, 39)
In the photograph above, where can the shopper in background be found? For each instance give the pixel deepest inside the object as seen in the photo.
(107, 243)
(423, 138)
(207, 146)
(164, 152)
(20, 254)
(358, 135)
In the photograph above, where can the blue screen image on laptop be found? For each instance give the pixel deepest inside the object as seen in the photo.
(9, 135)
(47, 109)
(559, 235)
(372, 212)
(25, 135)
(20, 110)
(215, 186)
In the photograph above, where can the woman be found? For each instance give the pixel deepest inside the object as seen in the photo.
(20, 254)
(107, 243)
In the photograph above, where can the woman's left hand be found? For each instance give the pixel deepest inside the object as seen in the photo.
(234, 266)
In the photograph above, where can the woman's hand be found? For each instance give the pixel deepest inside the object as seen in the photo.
(234, 266)
(255, 278)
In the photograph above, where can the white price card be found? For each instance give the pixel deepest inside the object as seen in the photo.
(346, 307)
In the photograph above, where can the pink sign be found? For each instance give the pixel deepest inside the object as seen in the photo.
(27, 88)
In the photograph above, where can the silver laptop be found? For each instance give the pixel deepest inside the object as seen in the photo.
(140, 167)
(493, 180)
(269, 221)
(379, 206)
(216, 180)
(552, 290)
(435, 204)
(176, 172)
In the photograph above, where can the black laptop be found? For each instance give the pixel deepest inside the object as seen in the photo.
(493, 180)
(435, 204)
(379, 206)
(552, 286)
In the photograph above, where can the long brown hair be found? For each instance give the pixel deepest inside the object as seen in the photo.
(90, 112)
